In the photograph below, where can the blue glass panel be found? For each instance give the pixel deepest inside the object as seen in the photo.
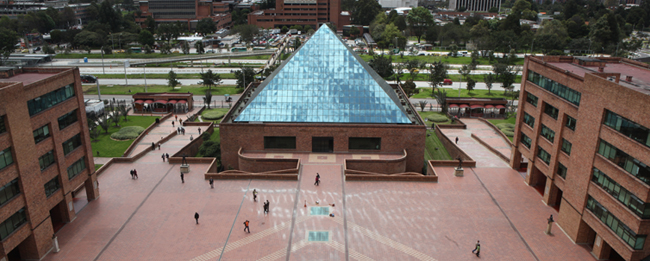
(323, 82)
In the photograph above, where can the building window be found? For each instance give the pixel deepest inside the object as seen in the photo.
(364, 143)
(71, 144)
(67, 119)
(623, 231)
(5, 158)
(543, 155)
(551, 111)
(9, 191)
(625, 161)
(619, 192)
(628, 128)
(50, 99)
(554, 87)
(51, 186)
(46, 160)
(570, 122)
(561, 170)
(566, 146)
(526, 140)
(3, 127)
(12, 224)
(548, 133)
(41, 134)
(279, 142)
(532, 99)
(76, 168)
(529, 120)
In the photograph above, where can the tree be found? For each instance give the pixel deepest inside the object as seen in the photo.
(470, 85)
(409, 88)
(199, 47)
(441, 98)
(464, 71)
(110, 16)
(146, 38)
(104, 122)
(172, 81)
(474, 62)
(208, 98)
(437, 75)
(124, 111)
(116, 118)
(8, 40)
(47, 49)
(364, 11)
(488, 79)
(354, 31)
(210, 79)
(67, 17)
(244, 77)
(382, 65)
(419, 19)
(247, 31)
(412, 66)
(88, 38)
(284, 29)
(552, 36)
(150, 23)
(185, 47)
(206, 26)
(423, 104)
(147, 49)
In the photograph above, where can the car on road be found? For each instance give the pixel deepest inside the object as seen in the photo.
(88, 79)
(447, 82)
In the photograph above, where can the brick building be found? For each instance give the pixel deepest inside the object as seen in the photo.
(324, 99)
(186, 11)
(301, 12)
(45, 156)
(584, 126)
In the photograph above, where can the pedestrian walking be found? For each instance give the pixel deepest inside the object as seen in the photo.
(135, 173)
(191, 138)
(246, 226)
(196, 216)
(199, 131)
(132, 177)
(173, 124)
(183, 130)
(176, 117)
(178, 130)
(456, 140)
(477, 248)
(267, 206)
(182, 177)
(159, 144)
(163, 157)
(255, 195)
(153, 146)
(211, 183)
(317, 183)
(180, 122)
(167, 155)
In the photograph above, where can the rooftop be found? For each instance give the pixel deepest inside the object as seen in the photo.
(27, 78)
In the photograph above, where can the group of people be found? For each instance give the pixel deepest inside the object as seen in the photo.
(165, 155)
(180, 130)
(134, 174)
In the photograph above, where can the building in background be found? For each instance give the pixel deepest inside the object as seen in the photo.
(398, 3)
(301, 12)
(474, 5)
(583, 124)
(45, 156)
(188, 12)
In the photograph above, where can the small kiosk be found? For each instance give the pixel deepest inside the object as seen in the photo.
(162, 102)
(477, 107)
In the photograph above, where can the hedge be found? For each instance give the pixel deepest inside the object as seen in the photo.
(437, 118)
(213, 115)
(127, 133)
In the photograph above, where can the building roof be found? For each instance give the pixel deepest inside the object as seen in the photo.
(640, 76)
(324, 82)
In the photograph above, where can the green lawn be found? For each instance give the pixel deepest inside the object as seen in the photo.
(512, 120)
(160, 76)
(434, 149)
(453, 93)
(205, 65)
(224, 110)
(195, 89)
(447, 59)
(425, 114)
(97, 166)
(216, 136)
(454, 77)
(112, 148)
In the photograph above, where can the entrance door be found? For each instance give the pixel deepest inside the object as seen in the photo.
(322, 144)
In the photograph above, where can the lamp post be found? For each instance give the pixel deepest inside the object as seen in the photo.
(103, 69)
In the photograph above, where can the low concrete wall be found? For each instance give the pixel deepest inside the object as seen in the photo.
(192, 148)
(493, 150)
(244, 175)
(454, 151)
(409, 176)
(185, 123)
(430, 170)
(381, 166)
(503, 135)
(261, 165)
(144, 133)
(452, 163)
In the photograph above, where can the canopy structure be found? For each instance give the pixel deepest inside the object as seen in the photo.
(464, 106)
(476, 106)
(161, 101)
(453, 105)
(171, 102)
(139, 101)
(148, 101)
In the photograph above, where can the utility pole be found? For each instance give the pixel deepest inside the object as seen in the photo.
(126, 64)
(459, 83)
(103, 69)
(145, 77)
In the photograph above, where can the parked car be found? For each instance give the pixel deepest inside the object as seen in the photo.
(88, 79)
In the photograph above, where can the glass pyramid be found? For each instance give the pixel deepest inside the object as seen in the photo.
(324, 82)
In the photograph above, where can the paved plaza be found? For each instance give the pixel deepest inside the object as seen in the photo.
(152, 218)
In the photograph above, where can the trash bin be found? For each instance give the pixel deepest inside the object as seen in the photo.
(85, 59)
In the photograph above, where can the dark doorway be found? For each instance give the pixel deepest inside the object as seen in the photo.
(56, 216)
(558, 200)
(322, 144)
(14, 255)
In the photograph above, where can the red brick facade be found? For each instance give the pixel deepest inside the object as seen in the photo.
(626, 98)
(34, 239)
(312, 13)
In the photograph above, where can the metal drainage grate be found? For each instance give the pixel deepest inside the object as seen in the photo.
(318, 236)
(319, 211)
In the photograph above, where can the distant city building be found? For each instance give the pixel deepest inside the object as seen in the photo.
(301, 12)
(398, 3)
(474, 5)
(13, 9)
(45, 158)
(188, 12)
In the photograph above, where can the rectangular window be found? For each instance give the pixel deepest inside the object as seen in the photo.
(570, 122)
(364, 143)
(67, 119)
(5, 158)
(9, 191)
(548, 133)
(76, 168)
(51, 186)
(561, 170)
(566, 146)
(625, 161)
(623, 231)
(3, 127)
(12, 224)
(525, 140)
(543, 155)
(279, 142)
(71, 144)
(50, 99)
(554, 87)
(529, 120)
(532, 99)
(551, 111)
(619, 192)
(628, 128)
(46, 160)
(41, 134)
